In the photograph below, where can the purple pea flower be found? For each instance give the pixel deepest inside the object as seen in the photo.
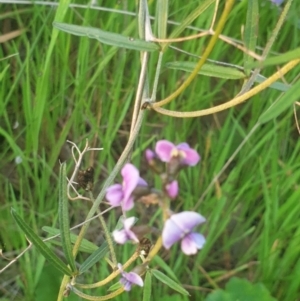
(128, 279)
(121, 236)
(179, 227)
(172, 189)
(121, 194)
(149, 155)
(166, 150)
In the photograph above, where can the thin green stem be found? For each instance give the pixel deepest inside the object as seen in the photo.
(106, 234)
(108, 239)
(140, 89)
(157, 73)
(144, 62)
(97, 298)
(154, 250)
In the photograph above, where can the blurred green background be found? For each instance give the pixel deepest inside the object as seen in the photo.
(81, 89)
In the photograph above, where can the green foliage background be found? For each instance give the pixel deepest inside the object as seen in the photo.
(85, 90)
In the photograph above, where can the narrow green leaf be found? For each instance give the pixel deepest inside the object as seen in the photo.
(115, 286)
(251, 33)
(277, 85)
(94, 258)
(280, 59)
(143, 19)
(223, 72)
(284, 102)
(147, 287)
(158, 260)
(42, 86)
(202, 7)
(208, 70)
(2, 73)
(107, 37)
(85, 246)
(162, 18)
(40, 245)
(63, 215)
(169, 282)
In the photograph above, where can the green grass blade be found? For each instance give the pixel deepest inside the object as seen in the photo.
(169, 282)
(280, 59)
(2, 73)
(208, 70)
(223, 72)
(163, 265)
(86, 246)
(147, 287)
(107, 37)
(162, 18)
(282, 104)
(94, 258)
(63, 215)
(203, 6)
(277, 85)
(114, 287)
(251, 32)
(40, 245)
(42, 88)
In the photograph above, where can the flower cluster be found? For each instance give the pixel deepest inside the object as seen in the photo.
(176, 157)
(167, 161)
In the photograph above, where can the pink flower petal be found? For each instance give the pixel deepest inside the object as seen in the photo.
(129, 222)
(191, 243)
(171, 234)
(198, 239)
(120, 237)
(129, 204)
(172, 189)
(164, 149)
(183, 146)
(131, 177)
(128, 279)
(187, 220)
(191, 157)
(142, 182)
(114, 194)
(149, 155)
(127, 285)
(135, 278)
